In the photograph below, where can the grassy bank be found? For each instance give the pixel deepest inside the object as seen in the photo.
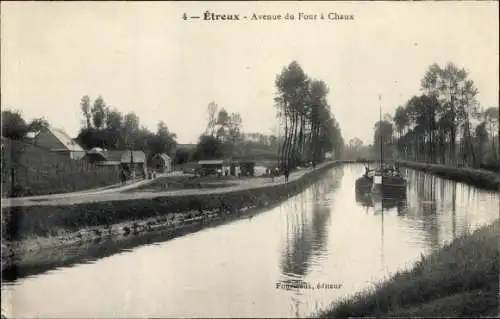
(476, 177)
(26, 229)
(462, 279)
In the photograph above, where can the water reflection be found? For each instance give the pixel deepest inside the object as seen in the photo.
(306, 228)
(441, 208)
(305, 242)
(327, 234)
(397, 200)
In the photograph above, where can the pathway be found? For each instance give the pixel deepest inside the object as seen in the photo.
(115, 194)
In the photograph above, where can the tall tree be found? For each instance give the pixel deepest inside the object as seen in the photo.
(233, 133)
(99, 113)
(222, 123)
(491, 117)
(309, 128)
(85, 107)
(114, 119)
(208, 147)
(212, 118)
(163, 141)
(293, 90)
(130, 128)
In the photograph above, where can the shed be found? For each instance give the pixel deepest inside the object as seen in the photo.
(119, 158)
(210, 166)
(161, 162)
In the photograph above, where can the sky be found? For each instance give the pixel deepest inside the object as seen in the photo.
(143, 57)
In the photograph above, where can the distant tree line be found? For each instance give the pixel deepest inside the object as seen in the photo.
(356, 150)
(108, 128)
(444, 124)
(223, 138)
(309, 128)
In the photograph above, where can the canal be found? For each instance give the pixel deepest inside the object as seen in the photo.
(319, 246)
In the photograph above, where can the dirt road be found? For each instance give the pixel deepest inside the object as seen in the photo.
(117, 193)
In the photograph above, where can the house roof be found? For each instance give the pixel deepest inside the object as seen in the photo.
(119, 156)
(69, 143)
(163, 156)
(65, 139)
(211, 162)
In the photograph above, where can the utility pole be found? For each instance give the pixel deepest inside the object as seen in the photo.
(380, 129)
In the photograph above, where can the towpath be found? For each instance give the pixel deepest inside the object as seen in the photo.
(118, 193)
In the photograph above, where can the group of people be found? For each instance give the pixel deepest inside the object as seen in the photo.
(219, 172)
(126, 174)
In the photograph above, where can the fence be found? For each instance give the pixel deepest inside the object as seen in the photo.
(30, 170)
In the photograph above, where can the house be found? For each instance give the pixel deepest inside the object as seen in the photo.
(58, 141)
(120, 158)
(161, 162)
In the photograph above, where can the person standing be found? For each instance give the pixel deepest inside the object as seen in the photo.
(123, 176)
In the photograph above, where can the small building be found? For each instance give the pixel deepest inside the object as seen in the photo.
(161, 162)
(132, 161)
(58, 141)
(210, 166)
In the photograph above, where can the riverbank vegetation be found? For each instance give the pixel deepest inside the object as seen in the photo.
(480, 178)
(459, 280)
(446, 124)
(443, 125)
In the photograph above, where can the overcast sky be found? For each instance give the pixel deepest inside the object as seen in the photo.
(143, 57)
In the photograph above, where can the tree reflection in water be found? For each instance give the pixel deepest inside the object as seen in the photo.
(306, 231)
(432, 199)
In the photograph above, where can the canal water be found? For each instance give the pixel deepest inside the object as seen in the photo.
(318, 247)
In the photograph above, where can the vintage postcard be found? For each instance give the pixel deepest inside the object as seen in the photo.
(250, 159)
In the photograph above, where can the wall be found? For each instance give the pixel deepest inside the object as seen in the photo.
(36, 171)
